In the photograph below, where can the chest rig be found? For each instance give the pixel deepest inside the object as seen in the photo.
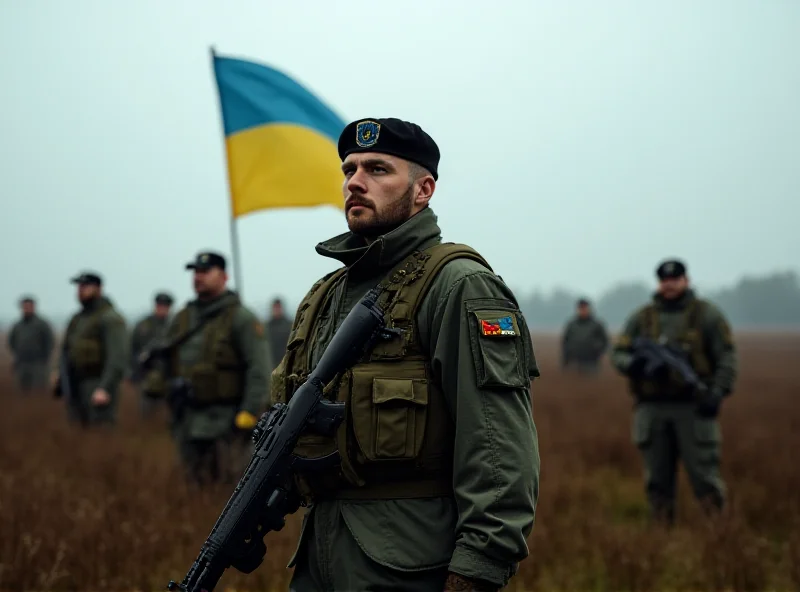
(689, 339)
(87, 351)
(397, 437)
(217, 373)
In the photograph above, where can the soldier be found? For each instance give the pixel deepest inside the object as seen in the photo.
(145, 333)
(31, 342)
(439, 476)
(215, 375)
(94, 351)
(278, 328)
(584, 341)
(672, 420)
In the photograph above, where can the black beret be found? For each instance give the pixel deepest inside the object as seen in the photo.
(583, 302)
(88, 278)
(671, 268)
(391, 136)
(207, 260)
(163, 298)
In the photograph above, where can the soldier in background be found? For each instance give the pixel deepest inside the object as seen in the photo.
(146, 332)
(278, 328)
(94, 348)
(584, 341)
(673, 420)
(31, 342)
(213, 370)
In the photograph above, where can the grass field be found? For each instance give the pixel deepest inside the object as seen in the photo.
(94, 511)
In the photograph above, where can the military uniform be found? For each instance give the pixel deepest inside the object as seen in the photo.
(278, 329)
(31, 342)
(672, 420)
(225, 363)
(440, 462)
(96, 350)
(583, 344)
(146, 332)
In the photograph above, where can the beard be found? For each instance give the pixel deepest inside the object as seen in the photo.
(374, 223)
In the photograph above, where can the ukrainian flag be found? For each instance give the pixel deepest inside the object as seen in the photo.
(280, 140)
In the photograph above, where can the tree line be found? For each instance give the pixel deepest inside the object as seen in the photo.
(754, 302)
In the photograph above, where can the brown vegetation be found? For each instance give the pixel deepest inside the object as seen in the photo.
(99, 511)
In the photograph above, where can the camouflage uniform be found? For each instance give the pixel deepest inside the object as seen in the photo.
(31, 342)
(671, 420)
(441, 469)
(226, 365)
(96, 351)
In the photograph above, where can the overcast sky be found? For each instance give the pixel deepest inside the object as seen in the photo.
(581, 141)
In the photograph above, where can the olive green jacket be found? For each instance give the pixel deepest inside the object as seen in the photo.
(719, 345)
(144, 333)
(584, 340)
(31, 340)
(482, 531)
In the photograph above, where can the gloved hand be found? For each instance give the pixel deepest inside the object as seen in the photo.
(245, 421)
(456, 582)
(708, 403)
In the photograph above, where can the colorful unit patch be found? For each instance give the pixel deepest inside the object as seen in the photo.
(502, 326)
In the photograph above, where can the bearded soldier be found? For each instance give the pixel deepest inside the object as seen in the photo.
(439, 476)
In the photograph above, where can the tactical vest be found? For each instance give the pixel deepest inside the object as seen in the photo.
(397, 437)
(87, 352)
(217, 377)
(689, 339)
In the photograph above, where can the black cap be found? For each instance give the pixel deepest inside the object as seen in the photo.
(583, 302)
(87, 278)
(207, 260)
(163, 298)
(27, 298)
(391, 136)
(671, 268)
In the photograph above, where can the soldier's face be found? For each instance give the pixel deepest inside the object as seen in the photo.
(209, 282)
(277, 310)
(162, 311)
(671, 288)
(28, 308)
(583, 311)
(378, 193)
(87, 292)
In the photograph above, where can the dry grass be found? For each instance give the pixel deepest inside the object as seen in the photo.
(109, 511)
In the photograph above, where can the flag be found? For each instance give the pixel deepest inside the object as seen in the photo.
(280, 139)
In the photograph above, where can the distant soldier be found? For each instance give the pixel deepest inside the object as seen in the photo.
(145, 333)
(94, 349)
(278, 328)
(584, 341)
(672, 419)
(214, 372)
(31, 342)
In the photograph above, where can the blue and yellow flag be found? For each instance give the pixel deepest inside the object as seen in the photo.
(280, 140)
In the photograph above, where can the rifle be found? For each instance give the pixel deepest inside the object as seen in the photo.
(264, 496)
(658, 355)
(66, 382)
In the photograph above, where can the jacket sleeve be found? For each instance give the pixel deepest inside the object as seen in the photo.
(252, 345)
(115, 340)
(721, 349)
(487, 383)
(621, 352)
(49, 339)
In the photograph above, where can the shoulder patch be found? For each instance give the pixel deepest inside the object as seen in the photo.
(504, 326)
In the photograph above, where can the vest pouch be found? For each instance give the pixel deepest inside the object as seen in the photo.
(87, 356)
(697, 356)
(389, 409)
(203, 378)
(229, 385)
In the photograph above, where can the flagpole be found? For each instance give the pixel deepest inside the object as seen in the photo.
(234, 228)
